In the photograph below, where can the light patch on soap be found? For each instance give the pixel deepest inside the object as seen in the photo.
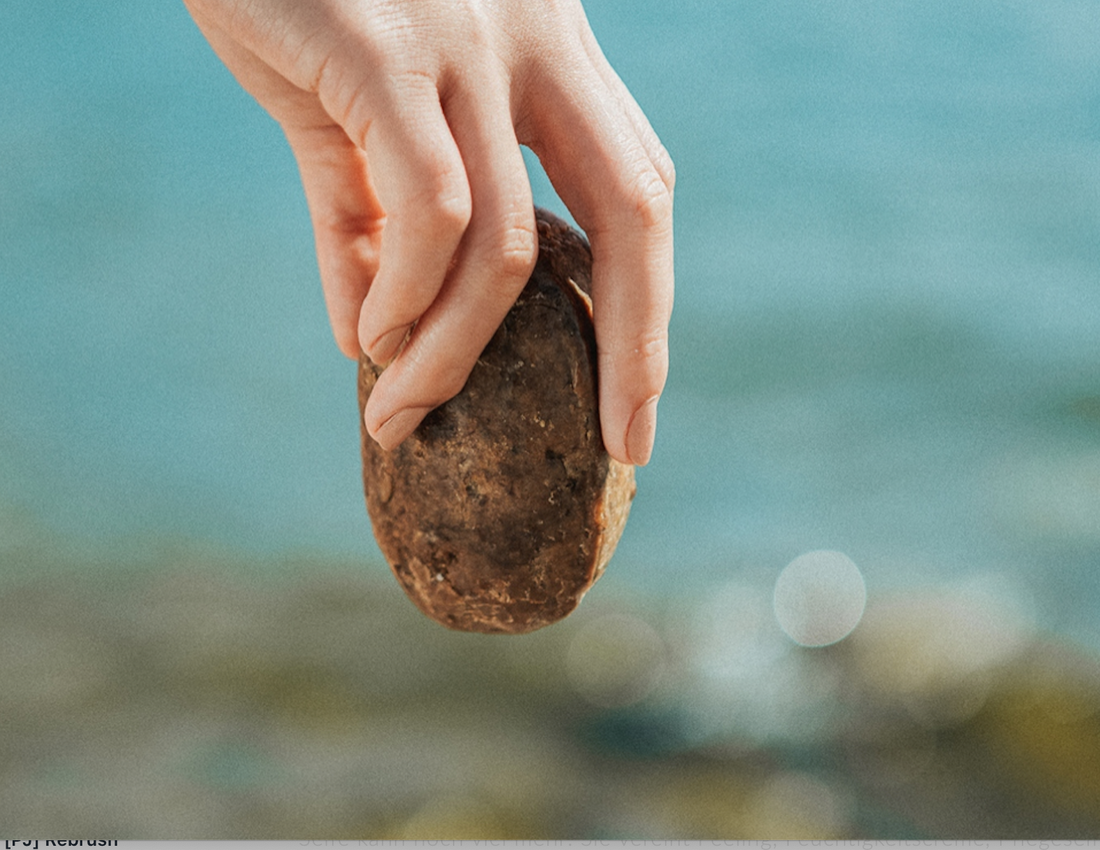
(819, 598)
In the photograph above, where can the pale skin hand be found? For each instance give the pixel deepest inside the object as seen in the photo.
(406, 117)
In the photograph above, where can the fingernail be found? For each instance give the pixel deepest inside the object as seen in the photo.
(640, 433)
(395, 429)
(385, 348)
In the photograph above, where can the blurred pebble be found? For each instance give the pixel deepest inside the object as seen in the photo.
(795, 806)
(615, 660)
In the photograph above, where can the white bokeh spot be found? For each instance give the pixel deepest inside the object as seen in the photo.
(819, 598)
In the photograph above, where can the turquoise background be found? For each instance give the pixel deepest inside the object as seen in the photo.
(887, 328)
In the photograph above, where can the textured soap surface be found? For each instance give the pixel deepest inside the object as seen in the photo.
(503, 508)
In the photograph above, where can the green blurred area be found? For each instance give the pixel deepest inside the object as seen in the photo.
(199, 697)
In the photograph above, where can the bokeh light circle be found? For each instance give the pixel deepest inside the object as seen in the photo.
(819, 598)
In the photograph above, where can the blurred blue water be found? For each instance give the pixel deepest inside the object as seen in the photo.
(887, 333)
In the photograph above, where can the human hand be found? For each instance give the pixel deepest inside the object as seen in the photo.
(405, 117)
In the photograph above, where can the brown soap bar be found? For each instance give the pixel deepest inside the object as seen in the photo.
(503, 508)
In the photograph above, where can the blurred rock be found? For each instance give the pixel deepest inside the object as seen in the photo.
(205, 698)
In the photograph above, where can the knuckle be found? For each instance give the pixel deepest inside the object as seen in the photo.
(350, 225)
(438, 378)
(644, 358)
(450, 383)
(666, 167)
(653, 346)
(515, 249)
(443, 202)
(650, 200)
(641, 201)
(435, 197)
(651, 353)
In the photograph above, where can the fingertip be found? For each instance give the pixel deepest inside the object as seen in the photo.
(382, 350)
(393, 431)
(640, 433)
(345, 280)
(347, 344)
(617, 450)
(631, 384)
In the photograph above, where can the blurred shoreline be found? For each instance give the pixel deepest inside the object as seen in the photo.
(205, 696)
